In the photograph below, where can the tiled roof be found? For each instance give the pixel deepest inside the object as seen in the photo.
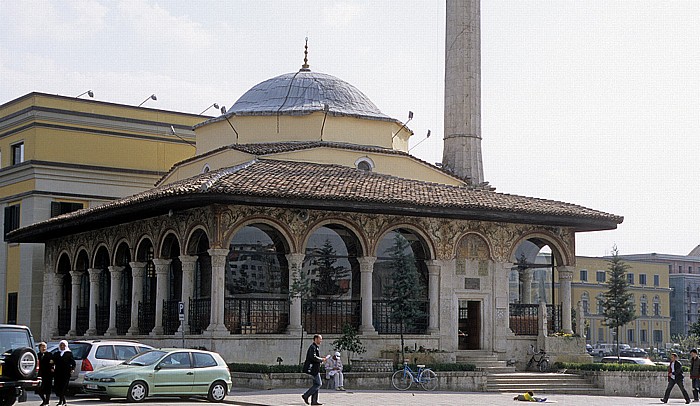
(302, 184)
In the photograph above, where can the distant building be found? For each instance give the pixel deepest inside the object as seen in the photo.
(649, 284)
(60, 154)
(684, 281)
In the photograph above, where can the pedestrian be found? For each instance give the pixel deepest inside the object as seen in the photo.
(64, 364)
(312, 366)
(334, 369)
(675, 377)
(695, 373)
(46, 364)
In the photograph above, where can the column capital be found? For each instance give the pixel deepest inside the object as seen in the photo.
(57, 279)
(189, 263)
(295, 258)
(136, 265)
(75, 277)
(366, 263)
(433, 268)
(94, 274)
(162, 265)
(188, 259)
(115, 269)
(565, 273)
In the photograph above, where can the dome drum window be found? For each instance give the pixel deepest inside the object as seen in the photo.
(364, 164)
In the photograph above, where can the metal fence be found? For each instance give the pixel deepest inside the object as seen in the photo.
(385, 324)
(82, 320)
(147, 317)
(252, 315)
(199, 315)
(171, 320)
(328, 316)
(123, 318)
(524, 319)
(63, 320)
(102, 313)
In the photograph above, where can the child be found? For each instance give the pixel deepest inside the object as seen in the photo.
(529, 396)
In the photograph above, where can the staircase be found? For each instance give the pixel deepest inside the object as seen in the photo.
(541, 383)
(484, 362)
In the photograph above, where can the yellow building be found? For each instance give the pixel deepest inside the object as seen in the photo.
(59, 154)
(650, 289)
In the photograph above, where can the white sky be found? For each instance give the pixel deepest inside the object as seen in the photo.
(595, 103)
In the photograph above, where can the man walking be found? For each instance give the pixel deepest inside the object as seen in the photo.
(675, 377)
(695, 373)
(312, 366)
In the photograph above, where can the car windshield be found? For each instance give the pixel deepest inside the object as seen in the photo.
(79, 350)
(146, 358)
(11, 339)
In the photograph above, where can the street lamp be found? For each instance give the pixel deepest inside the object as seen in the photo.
(215, 105)
(89, 93)
(152, 97)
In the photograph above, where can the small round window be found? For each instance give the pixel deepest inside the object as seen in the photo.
(364, 164)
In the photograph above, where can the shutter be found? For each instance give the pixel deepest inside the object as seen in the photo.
(55, 209)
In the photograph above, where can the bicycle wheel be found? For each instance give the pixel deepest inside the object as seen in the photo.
(543, 365)
(402, 379)
(529, 364)
(428, 379)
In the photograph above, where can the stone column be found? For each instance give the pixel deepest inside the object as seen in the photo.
(162, 268)
(296, 262)
(566, 273)
(115, 281)
(526, 278)
(138, 269)
(434, 297)
(218, 279)
(366, 269)
(94, 274)
(75, 295)
(189, 263)
(52, 290)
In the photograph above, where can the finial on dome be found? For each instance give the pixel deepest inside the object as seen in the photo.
(305, 66)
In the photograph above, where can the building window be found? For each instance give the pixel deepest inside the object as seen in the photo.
(656, 280)
(643, 305)
(364, 164)
(680, 268)
(583, 275)
(584, 302)
(58, 208)
(600, 299)
(600, 276)
(630, 336)
(601, 335)
(658, 336)
(643, 336)
(657, 306)
(690, 269)
(12, 308)
(642, 279)
(11, 218)
(17, 153)
(630, 278)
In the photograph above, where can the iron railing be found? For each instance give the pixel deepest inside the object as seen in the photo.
(199, 315)
(102, 313)
(524, 319)
(82, 319)
(147, 317)
(328, 316)
(63, 320)
(171, 321)
(554, 324)
(385, 324)
(123, 318)
(251, 315)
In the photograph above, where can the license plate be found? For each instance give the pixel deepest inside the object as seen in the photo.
(91, 386)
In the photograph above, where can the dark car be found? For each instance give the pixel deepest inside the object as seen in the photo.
(634, 353)
(18, 363)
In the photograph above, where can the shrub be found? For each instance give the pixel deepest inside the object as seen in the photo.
(597, 366)
(444, 367)
(266, 369)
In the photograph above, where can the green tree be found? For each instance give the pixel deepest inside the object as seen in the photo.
(300, 288)
(618, 306)
(695, 329)
(327, 272)
(349, 341)
(405, 289)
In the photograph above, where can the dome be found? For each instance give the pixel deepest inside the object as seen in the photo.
(305, 92)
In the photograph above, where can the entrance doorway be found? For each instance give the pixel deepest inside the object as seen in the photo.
(469, 325)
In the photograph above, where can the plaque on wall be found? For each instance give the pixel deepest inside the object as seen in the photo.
(472, 283)
(483, 268)
(461, 266)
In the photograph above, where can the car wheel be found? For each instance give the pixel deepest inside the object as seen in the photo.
(8, 398)
(217, 392)
(137, 392)
(20, 364)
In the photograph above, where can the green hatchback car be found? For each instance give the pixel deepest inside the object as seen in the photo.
(164, 372)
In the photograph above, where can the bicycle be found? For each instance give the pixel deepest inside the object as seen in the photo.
(542, 363)
(405, 377)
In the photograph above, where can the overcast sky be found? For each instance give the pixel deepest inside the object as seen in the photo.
(595, 103)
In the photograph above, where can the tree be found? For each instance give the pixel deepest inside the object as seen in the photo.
(618, 306)
(349, 341)
(300, 288)
(694, 329)
(405, 289)
(327, 272)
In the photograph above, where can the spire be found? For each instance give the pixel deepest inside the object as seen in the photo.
(305, 66)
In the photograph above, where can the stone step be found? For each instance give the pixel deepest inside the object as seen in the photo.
(540, 383)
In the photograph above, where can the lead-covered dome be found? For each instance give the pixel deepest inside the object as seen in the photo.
(305, 92)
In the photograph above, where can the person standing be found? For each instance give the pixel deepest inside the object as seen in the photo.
(695, 373)
(46, 364)
(334, 369)
(675, 377)
(312, 366)
(64, 366)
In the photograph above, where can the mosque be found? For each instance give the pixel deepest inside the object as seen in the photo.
(305, 177)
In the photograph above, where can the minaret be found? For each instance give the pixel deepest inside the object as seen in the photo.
(462, 143)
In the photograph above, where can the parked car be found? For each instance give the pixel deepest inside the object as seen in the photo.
(589, 348)
(163, 372)
(18, 363)
(627, 360)
(91, 355)
(634, 353)
(603, 349)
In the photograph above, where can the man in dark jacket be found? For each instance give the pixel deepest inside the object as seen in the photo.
(675, 377)
(312, 366)
(695, 372)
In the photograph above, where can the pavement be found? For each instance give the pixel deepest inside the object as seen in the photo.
(292, 397)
